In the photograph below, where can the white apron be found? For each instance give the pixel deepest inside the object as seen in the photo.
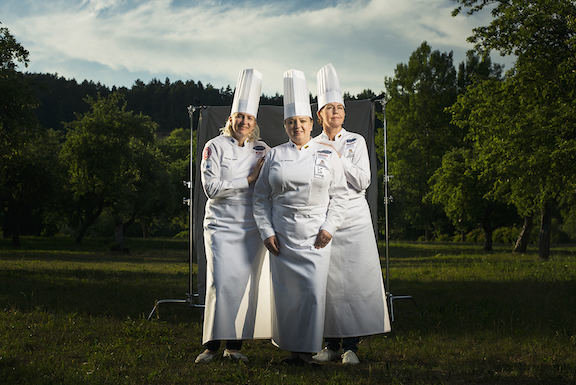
(355, 299)
(297, 194)
(237, 268)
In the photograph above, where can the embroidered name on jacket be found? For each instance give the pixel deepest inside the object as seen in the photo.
(323, 154)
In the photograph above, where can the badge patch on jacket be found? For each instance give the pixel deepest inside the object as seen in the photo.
(259, 151)
(320, 167)
(207, 153)
(349, 147)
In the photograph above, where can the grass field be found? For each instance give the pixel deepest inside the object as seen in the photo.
(77, 315)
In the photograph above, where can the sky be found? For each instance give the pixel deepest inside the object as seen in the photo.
(116, 42)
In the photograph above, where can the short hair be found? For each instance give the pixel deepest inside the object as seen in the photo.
(227, 129)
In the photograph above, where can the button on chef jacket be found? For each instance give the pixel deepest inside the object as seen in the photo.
(298, 193)
(237, 271)
(355, 299)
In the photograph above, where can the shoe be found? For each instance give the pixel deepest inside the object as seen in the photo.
(205, 356)
(350, 358)
(326, 355)
(234, 355)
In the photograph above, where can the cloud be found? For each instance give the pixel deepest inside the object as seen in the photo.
(212, 40)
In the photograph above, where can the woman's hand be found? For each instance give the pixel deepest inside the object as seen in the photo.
(256, 171)
(322, 239)
(272, 245)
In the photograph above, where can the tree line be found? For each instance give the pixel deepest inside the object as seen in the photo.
(476, 152)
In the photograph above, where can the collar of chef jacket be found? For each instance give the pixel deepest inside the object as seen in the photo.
(338, 136)
(235, 141)
(304, 147)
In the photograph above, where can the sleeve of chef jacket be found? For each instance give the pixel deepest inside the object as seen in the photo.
(262, 201)
(214, 186)
(357, 168)
(338, 197)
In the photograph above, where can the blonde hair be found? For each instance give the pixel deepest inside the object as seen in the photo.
(227, 129)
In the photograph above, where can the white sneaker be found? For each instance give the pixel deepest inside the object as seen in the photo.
(205, 356)
(234, 355)
(350, 358)
(325, 355)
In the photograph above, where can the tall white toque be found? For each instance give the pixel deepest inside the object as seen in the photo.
(329, 90)
(247, 93)
(296, 97)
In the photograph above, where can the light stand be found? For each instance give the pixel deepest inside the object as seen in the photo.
(387, 199)
(191, 295)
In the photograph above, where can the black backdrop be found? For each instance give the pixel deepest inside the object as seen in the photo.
(359, 119)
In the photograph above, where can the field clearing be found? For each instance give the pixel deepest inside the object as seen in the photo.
(77, 315)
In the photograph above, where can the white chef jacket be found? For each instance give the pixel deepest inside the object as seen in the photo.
(298, 193)
(355, 299)
(237, 267)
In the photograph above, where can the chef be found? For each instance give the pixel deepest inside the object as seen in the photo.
(355, 299)
(235, 254)
(298, 205)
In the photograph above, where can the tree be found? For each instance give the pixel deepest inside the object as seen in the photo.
(419, 132)
(176, 149)
(103, 154)
(457, 185)
(461, 189)
(27, 165)
(16, 101)
(524, 126)
(475, 69)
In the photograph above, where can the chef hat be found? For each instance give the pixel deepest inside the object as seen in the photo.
(329, 90)
(247, 94)
(296, 98)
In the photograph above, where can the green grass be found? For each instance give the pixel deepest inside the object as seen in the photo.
(77, 315)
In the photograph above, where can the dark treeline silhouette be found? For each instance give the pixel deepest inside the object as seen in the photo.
(60, 99)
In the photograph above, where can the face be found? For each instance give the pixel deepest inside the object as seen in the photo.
(332, 115)
(242, 124)
(299, 129)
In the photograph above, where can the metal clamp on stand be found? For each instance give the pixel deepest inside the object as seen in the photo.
(191, 295)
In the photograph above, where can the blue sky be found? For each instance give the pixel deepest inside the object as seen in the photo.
(116, 42)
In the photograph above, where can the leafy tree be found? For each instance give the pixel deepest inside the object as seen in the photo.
(16, 101)
(105, 152)
(419, 133)
(459, 187)
(523, 127)
(27, 164)
(149, 194)
(176, 148)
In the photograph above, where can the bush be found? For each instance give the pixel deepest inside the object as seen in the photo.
(476, 236)
(505, 235)
(443, 238)
(459, 237)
